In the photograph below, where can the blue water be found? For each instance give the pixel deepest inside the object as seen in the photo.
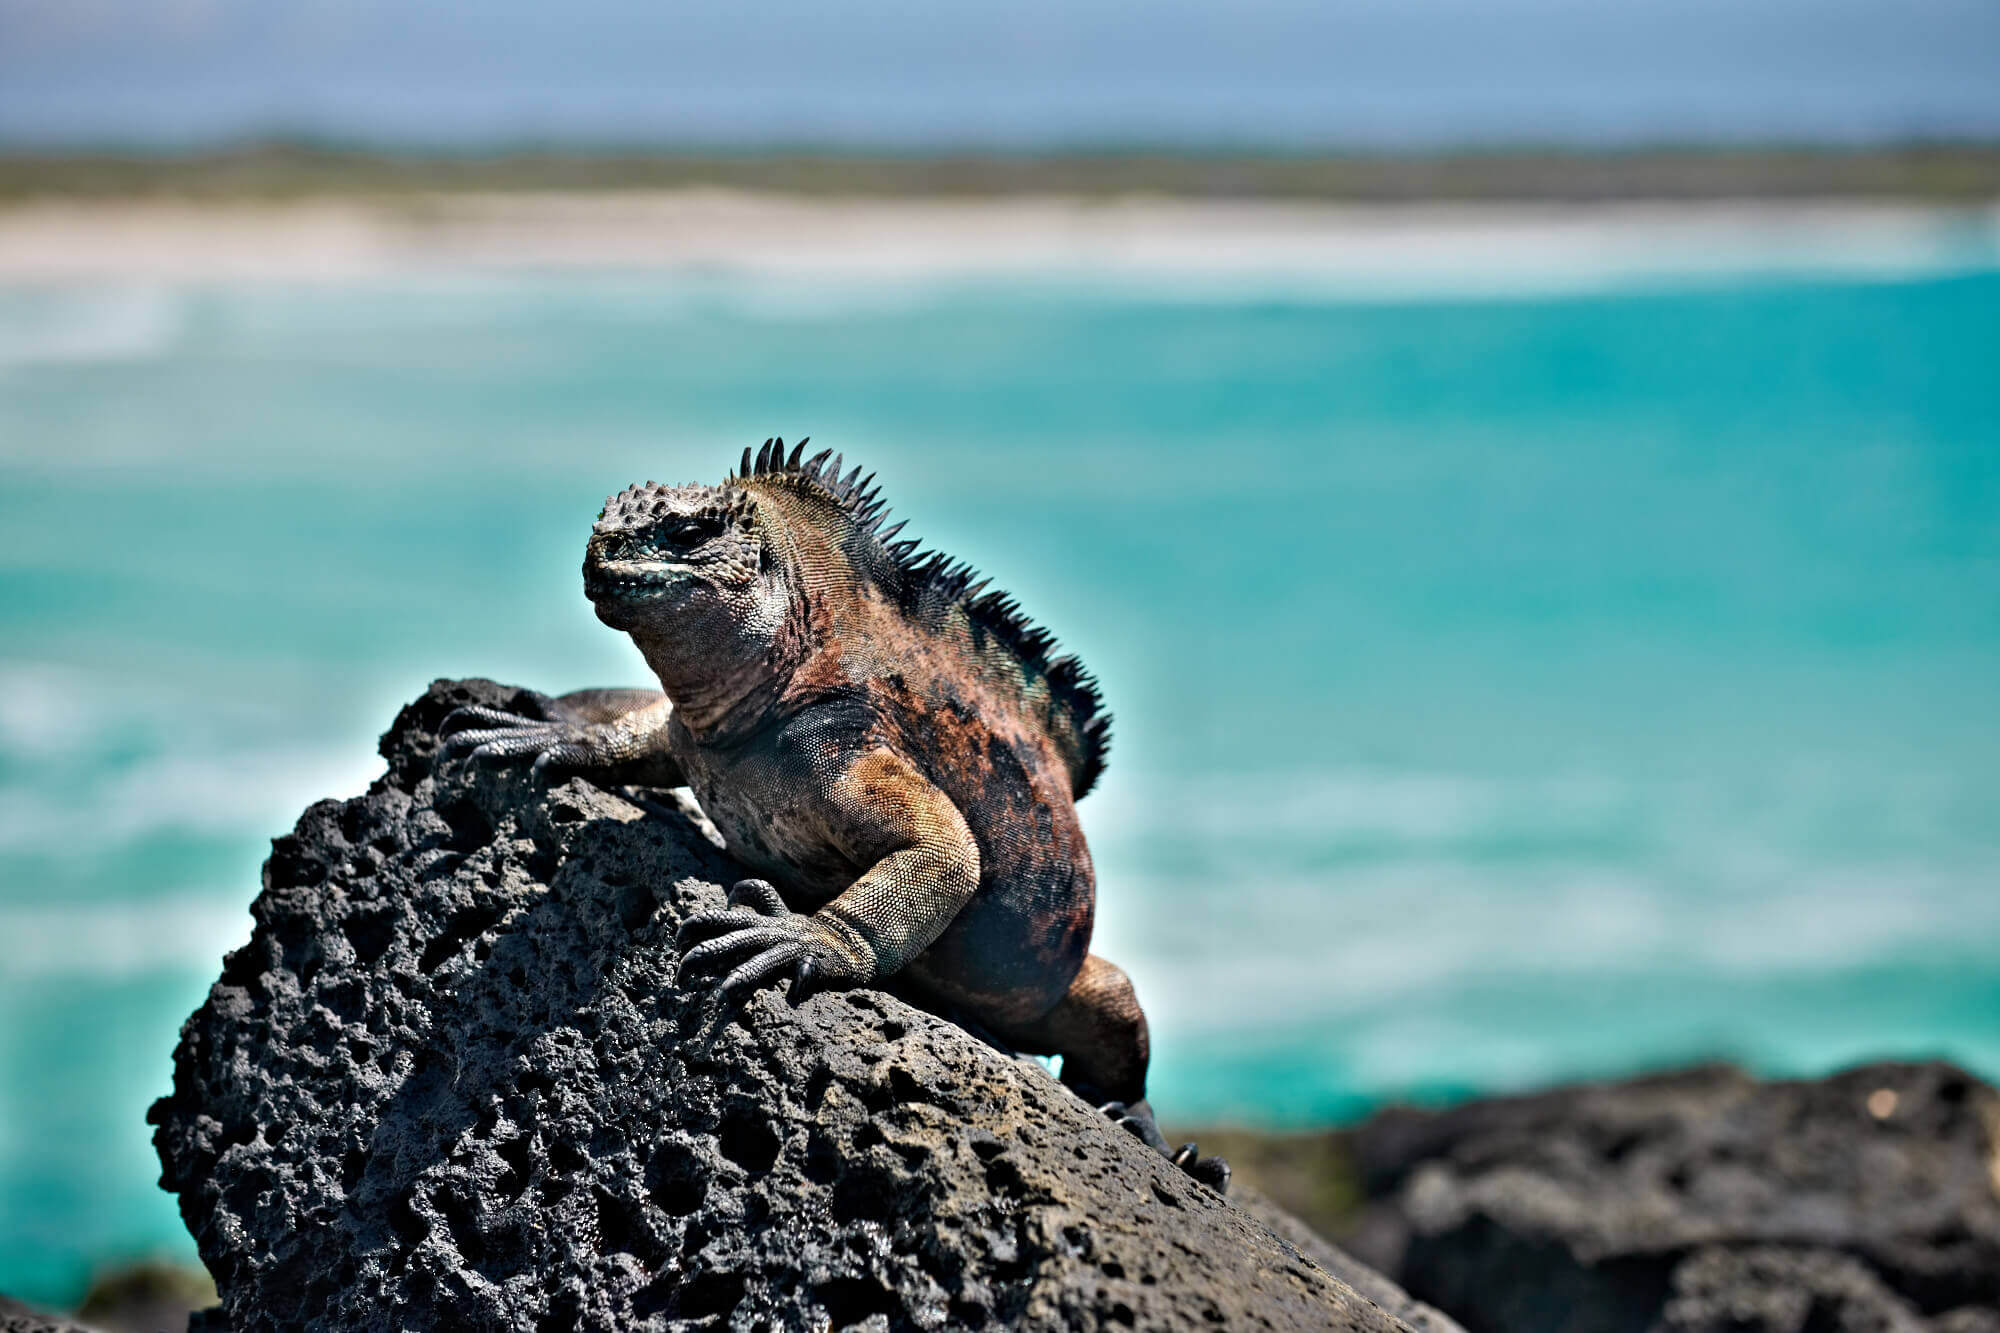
(1507, 689)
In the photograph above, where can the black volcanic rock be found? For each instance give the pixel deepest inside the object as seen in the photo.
(449, 1083)
(1699, 1202)
(16, 1317)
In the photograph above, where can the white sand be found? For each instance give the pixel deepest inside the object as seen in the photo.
(1454, 249)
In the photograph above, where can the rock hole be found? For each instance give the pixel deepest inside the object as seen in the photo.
(244, 967)
(655, 1298)
(369, 933)
(849, 1300)
(461, 1216)
(292, 864)
(707, 1295)
(816, 1085)
(822, 1158)
(463, 925)
(748, 1139)
(906, 1088)
(1825, 1315)
(543, 863)
(1623, 1146)
(622, 1229)
(565, 1313)
(469, 827)
(863, 1194)
(567, 1158)
(1003, 1177)
(518, 1154)
(348, 999)
(676, 1180)
(635, 908)
(404, 1220)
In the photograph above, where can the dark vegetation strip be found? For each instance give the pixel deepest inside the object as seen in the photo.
(1943, 173)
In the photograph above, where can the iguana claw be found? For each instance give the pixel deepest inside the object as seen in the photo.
(1136, 1119)
(1211, 1171)
(776, 938)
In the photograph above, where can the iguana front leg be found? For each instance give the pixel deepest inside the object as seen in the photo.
(923, 867)
(616, 733)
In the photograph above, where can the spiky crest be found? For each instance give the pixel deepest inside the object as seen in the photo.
(929, 586)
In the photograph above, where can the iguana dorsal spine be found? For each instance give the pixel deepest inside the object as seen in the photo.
(933, 588)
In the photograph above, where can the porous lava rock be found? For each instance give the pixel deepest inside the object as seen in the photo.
(1703, 1201)
(450, 1084)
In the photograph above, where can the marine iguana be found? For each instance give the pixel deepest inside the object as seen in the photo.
(892, 745)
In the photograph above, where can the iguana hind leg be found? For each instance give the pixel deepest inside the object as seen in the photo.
(1100, 1032)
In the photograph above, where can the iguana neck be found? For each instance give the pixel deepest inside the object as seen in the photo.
(726, 677)
(716, 706)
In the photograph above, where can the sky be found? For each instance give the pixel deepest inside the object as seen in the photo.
(1285, 74)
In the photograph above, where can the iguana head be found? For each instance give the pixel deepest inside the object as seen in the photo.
(664, 561)
(658, 552)
(687, 573)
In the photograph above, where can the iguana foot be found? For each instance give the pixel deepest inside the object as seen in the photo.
(489, 733)
(1136, 1119)
(777, 939)
(1210, 1171)
(616, 734)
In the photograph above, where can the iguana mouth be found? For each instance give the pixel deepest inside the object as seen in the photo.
(621, 578)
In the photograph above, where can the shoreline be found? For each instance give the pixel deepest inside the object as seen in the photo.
(1455, 247)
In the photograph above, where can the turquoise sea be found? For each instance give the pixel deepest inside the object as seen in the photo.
(1514, 684)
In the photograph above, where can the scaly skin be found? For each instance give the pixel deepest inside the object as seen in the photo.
(891, 748)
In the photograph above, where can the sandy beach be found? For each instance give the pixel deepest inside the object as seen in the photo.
(1459, 248)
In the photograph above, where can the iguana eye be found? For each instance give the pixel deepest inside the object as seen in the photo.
(688, 533)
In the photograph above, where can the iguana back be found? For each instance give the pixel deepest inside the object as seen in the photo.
(975, 635)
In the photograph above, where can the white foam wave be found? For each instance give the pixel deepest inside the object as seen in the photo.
(117, 940)
(209, 761)
(1355, 946)
(251, 792)
(88, 325)
(789, 257)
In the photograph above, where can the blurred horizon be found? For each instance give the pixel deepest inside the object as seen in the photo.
(1264, 74)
